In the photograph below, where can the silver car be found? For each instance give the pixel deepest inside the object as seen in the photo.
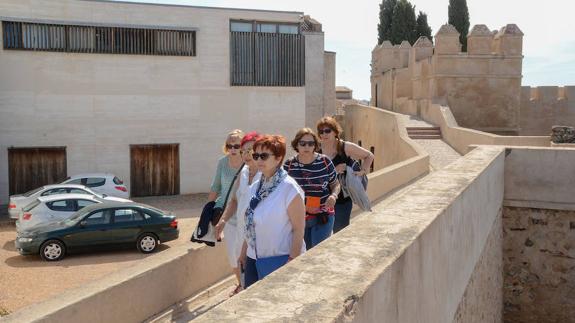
(17, 202)
(56, 208)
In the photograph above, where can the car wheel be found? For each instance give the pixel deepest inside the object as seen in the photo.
(52, 250)
(147, 243)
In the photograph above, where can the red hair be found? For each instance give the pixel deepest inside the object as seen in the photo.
(250, 136)
(274, 143)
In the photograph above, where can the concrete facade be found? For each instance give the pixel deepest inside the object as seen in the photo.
(481, 86)
(97, 105)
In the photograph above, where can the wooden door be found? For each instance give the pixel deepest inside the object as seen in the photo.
(155, 170)
(30, 168)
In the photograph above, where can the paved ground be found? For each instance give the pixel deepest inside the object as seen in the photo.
(440, 153)
(27, 280)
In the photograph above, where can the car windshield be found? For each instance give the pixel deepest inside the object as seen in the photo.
(158, 211)
(32, 192)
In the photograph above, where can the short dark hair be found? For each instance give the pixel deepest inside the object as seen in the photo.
(302, 132)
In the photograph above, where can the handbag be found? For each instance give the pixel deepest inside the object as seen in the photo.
(268, 265)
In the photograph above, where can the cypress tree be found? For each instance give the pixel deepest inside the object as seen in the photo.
(403, 23)
(385, 17)
(422, 27)
(459, 18)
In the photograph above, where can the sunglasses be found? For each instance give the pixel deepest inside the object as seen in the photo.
(236, 146)
(326, 131)
(263, 156)
(304, 143)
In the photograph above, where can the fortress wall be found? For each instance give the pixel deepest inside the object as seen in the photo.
(545, 106)
(411, 260)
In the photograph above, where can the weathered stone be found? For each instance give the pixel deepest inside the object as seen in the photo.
(529, 243)
(563, 134)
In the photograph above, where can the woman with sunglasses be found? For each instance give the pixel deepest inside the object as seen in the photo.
(228, 166)
(238, 203)
(275, 217)
(342, 153)
(316, 175)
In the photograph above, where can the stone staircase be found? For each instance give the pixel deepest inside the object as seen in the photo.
(424, 132)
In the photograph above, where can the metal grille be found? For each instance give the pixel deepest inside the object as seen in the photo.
(97, 39)
(267, 59)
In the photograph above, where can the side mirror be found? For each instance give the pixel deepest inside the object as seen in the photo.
(83, 224)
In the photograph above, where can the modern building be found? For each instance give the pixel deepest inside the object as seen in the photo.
(148, 92)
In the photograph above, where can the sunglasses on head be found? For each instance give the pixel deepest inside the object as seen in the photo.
(236, 146)
(263, 156)
(322, 131)
(304, 143)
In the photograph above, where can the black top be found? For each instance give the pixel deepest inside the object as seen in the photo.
(341, 158)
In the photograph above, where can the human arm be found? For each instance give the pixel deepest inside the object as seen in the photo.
(230, 210)
(359, 153)
(296, 214)
(216, 187)
(334, 186)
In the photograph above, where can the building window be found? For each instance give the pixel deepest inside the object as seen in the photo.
(97, 39)
(266, 54)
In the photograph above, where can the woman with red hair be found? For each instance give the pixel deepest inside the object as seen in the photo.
(275, 217)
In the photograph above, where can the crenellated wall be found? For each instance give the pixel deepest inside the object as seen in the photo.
(481, 86)
(545, 106)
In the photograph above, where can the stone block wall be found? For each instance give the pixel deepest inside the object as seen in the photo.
(545, 106)
(539, 265)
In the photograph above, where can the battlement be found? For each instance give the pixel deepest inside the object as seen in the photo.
(548, 93)
(482, 43)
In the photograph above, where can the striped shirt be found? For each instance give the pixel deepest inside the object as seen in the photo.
(315, 179)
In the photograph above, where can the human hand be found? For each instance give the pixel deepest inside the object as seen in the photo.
(330, 202)
(220, 228)
(360, 173)
(242, 261)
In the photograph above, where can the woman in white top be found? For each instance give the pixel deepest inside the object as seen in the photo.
(237, 205)
(275, 217)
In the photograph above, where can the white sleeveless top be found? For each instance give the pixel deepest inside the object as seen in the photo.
(274, 231)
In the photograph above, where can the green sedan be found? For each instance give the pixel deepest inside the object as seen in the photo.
(100, 225)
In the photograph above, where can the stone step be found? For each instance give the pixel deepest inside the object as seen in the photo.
(423, 131)
(425, 136)
(423, 128)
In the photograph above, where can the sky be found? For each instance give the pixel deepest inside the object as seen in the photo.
(350, 29)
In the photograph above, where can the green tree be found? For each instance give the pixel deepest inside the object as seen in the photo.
(422, 27)
(403, 23)
(385, 16)
(459, 18)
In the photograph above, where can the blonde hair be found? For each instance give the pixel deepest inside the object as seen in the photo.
(234, 134)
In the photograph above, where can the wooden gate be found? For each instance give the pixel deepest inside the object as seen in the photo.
(30, 168)
(155, 170)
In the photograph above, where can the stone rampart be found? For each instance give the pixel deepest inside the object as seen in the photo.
(543, 107)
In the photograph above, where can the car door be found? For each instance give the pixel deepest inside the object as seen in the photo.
(92, 231)
(128, 224)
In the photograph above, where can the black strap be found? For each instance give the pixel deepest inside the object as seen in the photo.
(232, 186)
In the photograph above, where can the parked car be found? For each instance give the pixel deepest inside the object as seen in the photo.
(55, 208)
(108, 184)
(17, 202)
(110, 224)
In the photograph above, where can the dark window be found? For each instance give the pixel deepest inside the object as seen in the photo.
(95, 39)
(79, 191)
(77, 181)
(83, 203)
(95, 181)
(99, 217)
(55, 191)
(266, 54)
(62, 205)
(127, 215)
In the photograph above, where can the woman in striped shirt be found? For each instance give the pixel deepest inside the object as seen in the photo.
(316, 175)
